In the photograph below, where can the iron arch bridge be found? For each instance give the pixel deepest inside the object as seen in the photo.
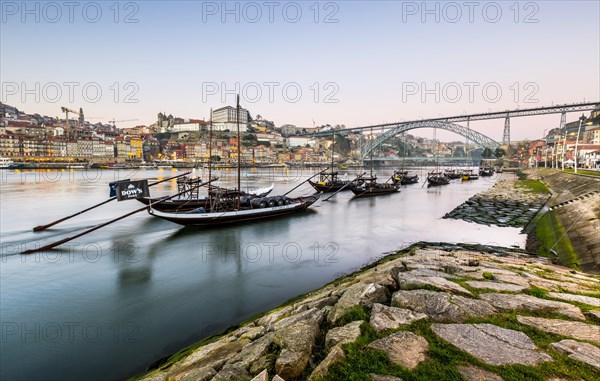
(474, 136)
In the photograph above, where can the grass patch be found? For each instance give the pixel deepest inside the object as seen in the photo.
(533, 186)
(537, 292)
(488, 275)
(548, 231)
(443, 358)
(352, 314)
(583, 172)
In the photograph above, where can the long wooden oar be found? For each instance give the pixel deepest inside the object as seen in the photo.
(44, 227)
(58, 243)
(344, 187)
(297, 186)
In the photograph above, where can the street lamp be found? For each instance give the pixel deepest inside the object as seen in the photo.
(577, 141)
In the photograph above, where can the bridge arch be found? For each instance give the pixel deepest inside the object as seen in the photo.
(474, 136)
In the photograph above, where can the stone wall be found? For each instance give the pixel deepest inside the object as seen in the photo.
(493, 311)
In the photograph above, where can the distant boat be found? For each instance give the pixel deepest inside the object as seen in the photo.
(6, 163)
(452, 174)
(467, 174)
(404, 178)
(368, 187)
(436, 178)
(329, 182)
(486, 171)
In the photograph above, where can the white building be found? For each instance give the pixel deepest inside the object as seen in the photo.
(225, 118)
(300, 141)
(188, 127)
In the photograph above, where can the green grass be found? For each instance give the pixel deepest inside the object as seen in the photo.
(548, 231)
(583, 172)
(443, 358)
(352, 314)
(488, 275)
(533, 186)
(537, 292)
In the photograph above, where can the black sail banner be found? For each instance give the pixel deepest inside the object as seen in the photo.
(128, 190)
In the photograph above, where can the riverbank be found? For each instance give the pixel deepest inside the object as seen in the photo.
(571, 227)
(432, 311)
(510, 202)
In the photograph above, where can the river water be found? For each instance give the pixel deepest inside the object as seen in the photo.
(110, 303)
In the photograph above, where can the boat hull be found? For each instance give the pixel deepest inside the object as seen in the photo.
(233, 217)
(320, 187)
(373, 191)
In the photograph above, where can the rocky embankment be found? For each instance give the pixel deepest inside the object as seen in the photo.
(504, 204)
(432, 311)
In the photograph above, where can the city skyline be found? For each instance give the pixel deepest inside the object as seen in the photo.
(352, 65)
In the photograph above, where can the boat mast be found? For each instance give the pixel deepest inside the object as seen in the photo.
(238, 152)
(332, 147)
(371, 153)
(210, 158)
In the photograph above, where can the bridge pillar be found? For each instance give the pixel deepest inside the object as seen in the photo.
(506, 135)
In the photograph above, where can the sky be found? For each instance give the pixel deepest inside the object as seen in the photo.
(306, 63)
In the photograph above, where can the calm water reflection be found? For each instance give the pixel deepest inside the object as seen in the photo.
(112, 302)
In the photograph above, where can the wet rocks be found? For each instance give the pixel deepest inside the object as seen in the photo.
(492, 344)
(403, 348)
(503, 205)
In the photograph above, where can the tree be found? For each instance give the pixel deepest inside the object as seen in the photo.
(487, 153)
(499, 152)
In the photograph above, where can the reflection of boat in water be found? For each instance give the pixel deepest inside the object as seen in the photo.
(329, 182)
(436, 179)
(404, 178)
(368, 187)
(6, 163)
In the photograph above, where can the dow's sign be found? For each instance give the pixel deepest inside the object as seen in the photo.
(127, 190)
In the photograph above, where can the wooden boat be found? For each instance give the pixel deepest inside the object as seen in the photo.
(329, 182)
(436, 179)
(404, 178)
(225, 212)
(226, 207)
(452, 174)
(468, 174)
(190, 199)
(486, 171)
(369, 187)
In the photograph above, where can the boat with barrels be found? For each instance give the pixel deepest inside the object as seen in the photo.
(405, 178)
